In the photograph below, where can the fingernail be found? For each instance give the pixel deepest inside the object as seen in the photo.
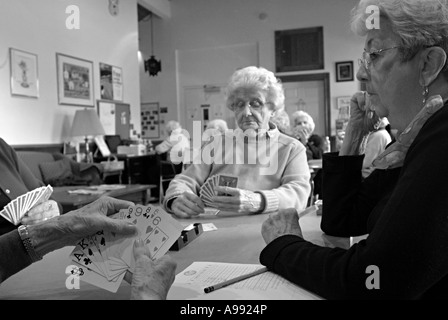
(138, 242)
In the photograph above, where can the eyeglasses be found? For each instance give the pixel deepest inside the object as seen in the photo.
(368, 57)
(254, 104)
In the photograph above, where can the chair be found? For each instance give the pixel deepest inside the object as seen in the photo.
(167, 173)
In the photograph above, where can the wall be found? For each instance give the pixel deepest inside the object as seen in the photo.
(208, 24)
(40, 27)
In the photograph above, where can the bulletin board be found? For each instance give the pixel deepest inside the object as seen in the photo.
(150, 120)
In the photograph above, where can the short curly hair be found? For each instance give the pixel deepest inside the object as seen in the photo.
(219, 124)
(300, 113)
(419, 23)
(261, 79)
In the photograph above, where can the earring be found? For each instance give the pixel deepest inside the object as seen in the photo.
(425, 94)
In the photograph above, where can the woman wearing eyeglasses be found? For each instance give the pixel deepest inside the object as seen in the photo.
(261, 169)
(403, 204)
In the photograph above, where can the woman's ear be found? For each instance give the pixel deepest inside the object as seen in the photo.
(433, 61)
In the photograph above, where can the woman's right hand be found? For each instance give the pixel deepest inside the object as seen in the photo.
(362, 112)
(362, 121)
(187, 205)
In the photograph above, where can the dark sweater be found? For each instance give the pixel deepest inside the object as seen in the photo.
(405, 213)
(15, 180)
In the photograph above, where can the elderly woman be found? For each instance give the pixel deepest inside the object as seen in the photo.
(402, 205)
(218, 124)
(259, 182)
(303, 127)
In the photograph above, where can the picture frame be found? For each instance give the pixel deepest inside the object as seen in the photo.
(150, 120)
(75, 81)
(24, 73)
(344, 71)
(111, 82)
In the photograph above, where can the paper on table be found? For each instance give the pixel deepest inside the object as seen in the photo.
(190, 284)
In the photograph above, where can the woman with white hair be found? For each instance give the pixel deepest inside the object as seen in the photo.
(376, 143)
(303, 125)
(218, 124)
(402, 205)
(175, 145)
(262, 182)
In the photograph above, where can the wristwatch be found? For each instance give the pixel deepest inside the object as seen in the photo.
(23, 232)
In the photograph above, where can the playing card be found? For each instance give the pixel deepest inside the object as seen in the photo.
(104, 257)
(88, 275)
(227, 181)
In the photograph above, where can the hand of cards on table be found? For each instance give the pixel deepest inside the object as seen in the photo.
(207, 190)
(103, 258)
(17, 208)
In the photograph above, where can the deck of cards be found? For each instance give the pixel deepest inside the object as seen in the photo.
(102, 259)
(17, 208)
(207, 191)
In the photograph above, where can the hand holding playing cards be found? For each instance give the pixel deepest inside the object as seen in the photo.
(41, 212)
(151, 279)
(238, 200)
(187, 204)
(68, 228)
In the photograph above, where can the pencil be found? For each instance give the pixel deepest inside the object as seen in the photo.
(234, 280)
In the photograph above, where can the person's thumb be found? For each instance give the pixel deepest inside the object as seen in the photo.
(120, 227)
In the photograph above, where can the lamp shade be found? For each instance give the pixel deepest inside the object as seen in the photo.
(87, 123)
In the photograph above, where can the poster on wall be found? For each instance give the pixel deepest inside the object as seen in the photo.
(75, 81)
(150, 115)
(111, 82)
(24, 78)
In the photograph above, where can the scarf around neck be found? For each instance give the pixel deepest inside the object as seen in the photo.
(394, 155)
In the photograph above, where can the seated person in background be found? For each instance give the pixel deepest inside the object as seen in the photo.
(175, 141)
(375, 145)
(303, 127)
(151, 280)
(282, 121)
(218, 124)
(265, 183)
(16, 180)
(402, 205)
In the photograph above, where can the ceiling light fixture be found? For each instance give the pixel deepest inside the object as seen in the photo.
(152, 65)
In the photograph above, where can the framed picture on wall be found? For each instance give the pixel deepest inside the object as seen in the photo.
(24, 73)
(150, 117)
(344, 71)
(111, 82)
(75, 81)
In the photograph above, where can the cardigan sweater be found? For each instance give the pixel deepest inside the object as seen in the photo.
(405, 213)
(16, 179)
(283, 177)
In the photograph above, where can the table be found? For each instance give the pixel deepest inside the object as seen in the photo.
(237, 240)
(137, 193)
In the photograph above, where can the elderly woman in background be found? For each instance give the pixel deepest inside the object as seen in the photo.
(176, 143)
(402, 205)
(376, 143)
(303, 127)
(218, 124)
(254, 95)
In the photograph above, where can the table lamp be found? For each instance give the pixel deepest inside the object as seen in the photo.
(87, 123)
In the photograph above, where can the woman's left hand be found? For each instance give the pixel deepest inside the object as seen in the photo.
(43, 211)
(238, 200)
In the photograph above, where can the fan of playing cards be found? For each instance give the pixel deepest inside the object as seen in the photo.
(103, 258)
(207, 190)
(17, 208)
